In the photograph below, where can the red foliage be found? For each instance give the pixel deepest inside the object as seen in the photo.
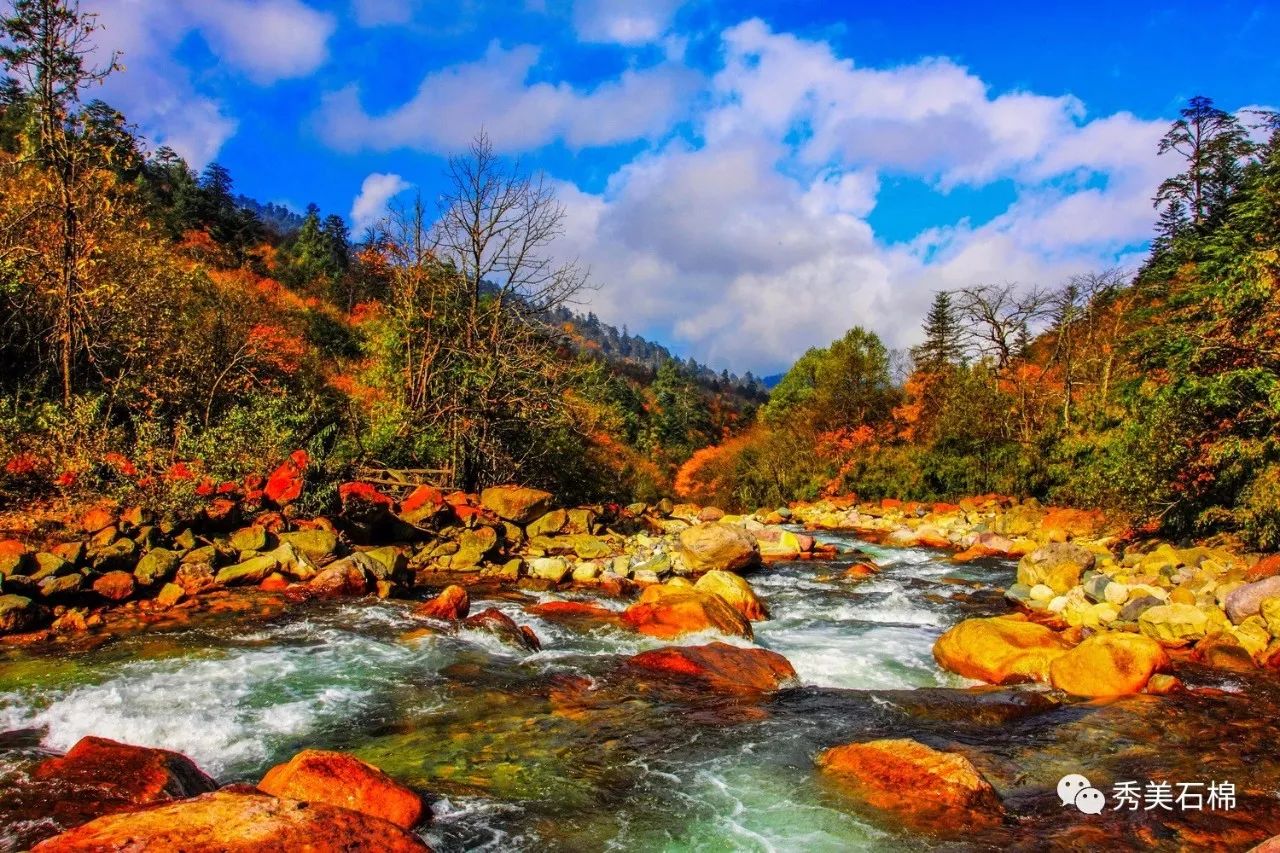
(364, 493)
(22, 465)
(121, 464)
(276, 348)
(285, 483)
(179, 471)
(67, 479)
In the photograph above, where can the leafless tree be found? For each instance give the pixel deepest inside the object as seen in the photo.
(999, 317)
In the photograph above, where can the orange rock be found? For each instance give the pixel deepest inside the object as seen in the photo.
(571, 609)
(274, 582)
(237, 822)
(721, 667)
(921, 786)
(341, 578)
(316, 776)
(1265, 568)
(452, 603)
(285, 483)
(669, 612)
(98, 518)
(999, 650)
(1108, 664)
(859, 571)
(504, 628)
(1060, 524)
(516, 504)
(422, 504)
(114, 586)
(99, 776)
(736, 592)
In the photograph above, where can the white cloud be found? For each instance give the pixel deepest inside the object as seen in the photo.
(376, 192)
(754, 244)
(625, 22)
(493, 93)
(266, 40)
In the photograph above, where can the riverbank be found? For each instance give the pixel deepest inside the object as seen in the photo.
(602, 652)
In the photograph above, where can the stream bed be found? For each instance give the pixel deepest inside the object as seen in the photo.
(554, 750)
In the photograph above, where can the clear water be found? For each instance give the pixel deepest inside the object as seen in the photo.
(516, 751)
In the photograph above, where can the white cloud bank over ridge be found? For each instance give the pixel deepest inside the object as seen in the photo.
(376, 192)
(750, 247)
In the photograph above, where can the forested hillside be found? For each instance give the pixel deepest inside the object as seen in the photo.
(162, 335)
(1155, 393)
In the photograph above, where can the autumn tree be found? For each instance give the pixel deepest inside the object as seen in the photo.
(48, 45)
(999, 316)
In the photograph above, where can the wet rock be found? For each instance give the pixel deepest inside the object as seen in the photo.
(668, 612)
(195, 577)
(1108, 664)
(553, 569)
(114, 586)
(921, 786)
(387, 562)
(61, 585)
(736, 592)
(19, 613)
(317, 545)
(237, 822)
(423, 505)
(721, 667)
(156, 565)
(473, 546)
(516, 504)
(999, 650)
(783, 544)
(316, 776)
(589, 547)
(343, 578)
(99, 776)
(1057, 566)
(504, 628)
(251, 538)
(49, 565)
(549, 524)
(170, 594)
(571, 610)
(718, 546)
(1246, 601)
(251, 571)
(451, 604)
(1177, 624)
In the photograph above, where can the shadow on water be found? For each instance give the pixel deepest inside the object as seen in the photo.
(566, 750)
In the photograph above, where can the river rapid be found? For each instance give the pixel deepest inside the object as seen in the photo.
(553, 750)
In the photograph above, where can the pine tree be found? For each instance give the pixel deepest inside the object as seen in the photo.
(943, 338)
(1213, 143)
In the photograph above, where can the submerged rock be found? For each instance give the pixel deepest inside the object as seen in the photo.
(718, 546)
(504, 628)
(317, 776)
(237, 822)
(999, 649)
(922, 786)
(721, 667)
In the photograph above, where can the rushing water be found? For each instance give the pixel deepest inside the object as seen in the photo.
(557, 750)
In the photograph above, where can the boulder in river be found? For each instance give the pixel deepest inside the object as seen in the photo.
(735, 591)
(235, 821)
(99, 776)
(1108, 663)
(922, 786)
(19, 613)
(502, 626)
(721, 667)
(999, 649)
(668, 612)
(318, 776)
(451, 604)
(718, 546)
(114, 586)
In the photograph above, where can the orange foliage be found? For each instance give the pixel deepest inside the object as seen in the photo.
(700, 476)
(275, 347)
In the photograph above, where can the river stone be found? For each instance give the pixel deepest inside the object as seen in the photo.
(292, 562)
(517, 504)
(391, 561)
(736, 592)
(581, 520)
(156, 565)
(549, 524)
(473, 545)
(1108, 664)
(1133, 610)
(252, 538)
(48, 565)
(1246, 600)
(114, 586)
(170, 594)
(590, 547)
(718, 546)
(236, 821)
(317, 545)
(61, 585)
(720, 666)
(1057, 565)
(553, 569)
(922, 786)
(18, 613)
(252, 570)
(999, 650)
(1175, 623)
(316, 776)
(116, 555)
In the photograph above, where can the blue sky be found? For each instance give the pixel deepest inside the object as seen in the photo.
(745, 179)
